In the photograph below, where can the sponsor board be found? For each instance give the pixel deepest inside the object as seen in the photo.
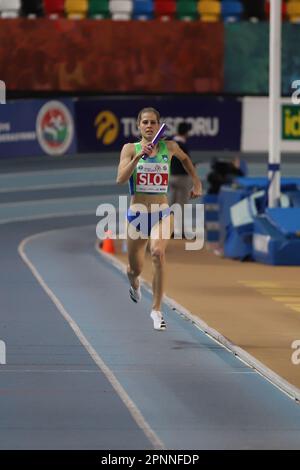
(36, 127)
(54, 128)
(107, 124)
(290, 122)
(255, 130)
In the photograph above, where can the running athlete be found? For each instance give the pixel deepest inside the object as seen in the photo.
(147, 167)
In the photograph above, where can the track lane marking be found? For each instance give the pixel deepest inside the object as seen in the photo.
(130, 405)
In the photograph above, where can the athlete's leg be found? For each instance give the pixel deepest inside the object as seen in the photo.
(136, 254)
(160, 236)
(173, 197)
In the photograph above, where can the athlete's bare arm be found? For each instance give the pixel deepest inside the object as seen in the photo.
(129, 160)
(177, 152)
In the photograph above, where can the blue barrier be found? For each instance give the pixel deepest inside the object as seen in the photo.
(241, 205)
(261, 182)
(276, 237)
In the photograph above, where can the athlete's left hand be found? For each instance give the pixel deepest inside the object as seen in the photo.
(196, 190)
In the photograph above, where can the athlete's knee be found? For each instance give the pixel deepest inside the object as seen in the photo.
(157, 255)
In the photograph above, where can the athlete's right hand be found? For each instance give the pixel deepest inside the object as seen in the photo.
(147, 149)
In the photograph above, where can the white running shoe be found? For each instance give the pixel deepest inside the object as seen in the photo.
(158, 320)
(135, 294)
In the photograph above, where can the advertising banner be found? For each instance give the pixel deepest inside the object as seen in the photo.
(107, 124)
(36, 127)
(255, 132)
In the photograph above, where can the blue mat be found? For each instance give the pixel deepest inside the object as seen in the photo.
(276, 238)
(285, 220)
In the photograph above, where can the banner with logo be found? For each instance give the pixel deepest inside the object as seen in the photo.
(255, 133)
(107, 124)
(36, 127)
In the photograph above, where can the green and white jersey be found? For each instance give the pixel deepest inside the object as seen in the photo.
(151, 175)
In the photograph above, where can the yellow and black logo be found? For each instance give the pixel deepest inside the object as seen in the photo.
(107, 127)
(290, 122)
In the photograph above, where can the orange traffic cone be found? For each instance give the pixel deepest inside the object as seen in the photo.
(107, 244)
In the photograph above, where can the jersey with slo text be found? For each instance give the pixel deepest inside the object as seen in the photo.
(151, 175)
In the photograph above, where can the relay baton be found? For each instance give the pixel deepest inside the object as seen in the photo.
(157, 136)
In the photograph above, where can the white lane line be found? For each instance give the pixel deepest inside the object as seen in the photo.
(132, 408)
(279, 382)
(70, 213)
(65, 200)
(69, 171)
(20, 212)
(33, 187)
(27, 218)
